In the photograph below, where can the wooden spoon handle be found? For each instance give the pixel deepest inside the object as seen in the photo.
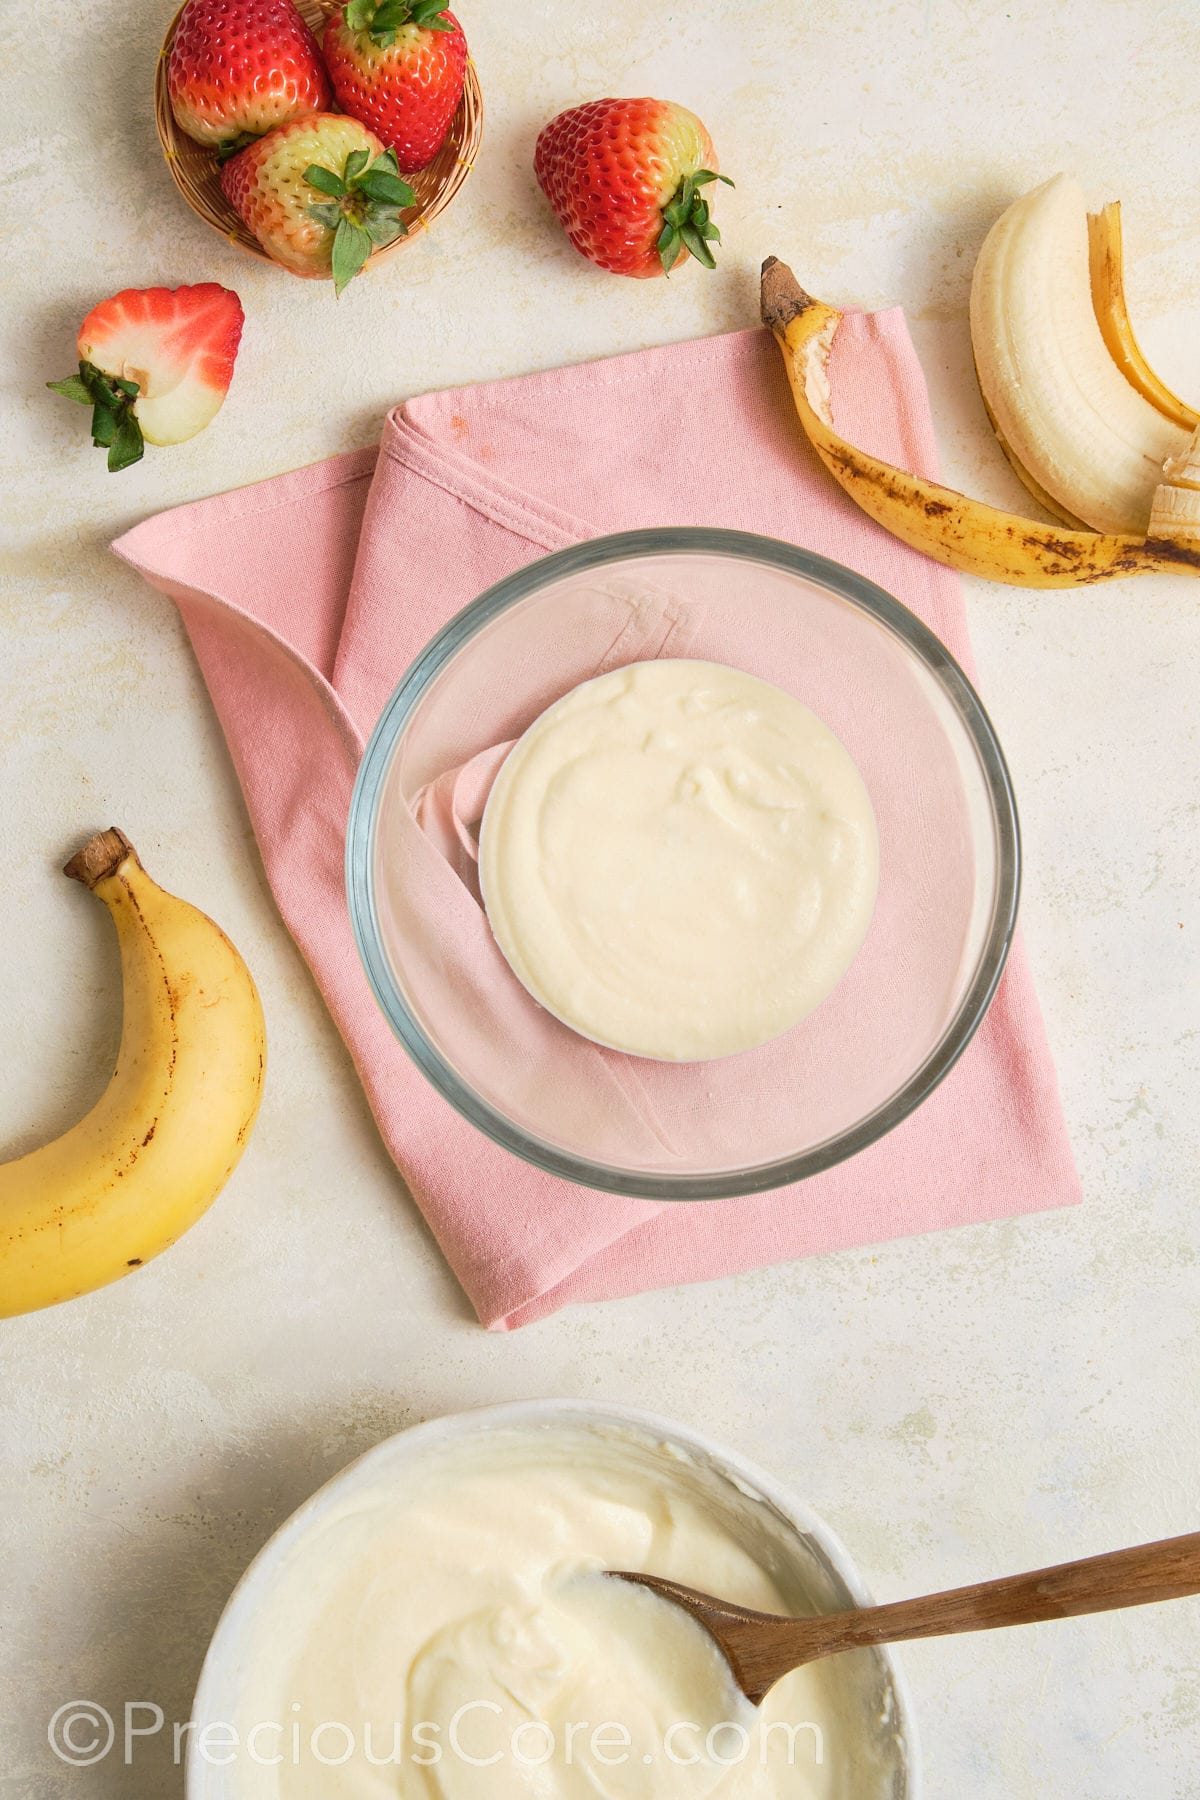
(1166, 1570)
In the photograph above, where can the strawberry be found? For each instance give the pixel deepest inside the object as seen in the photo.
(240, 67)
(155, 363)
(399, 66)
(624, 179)
(319, 194)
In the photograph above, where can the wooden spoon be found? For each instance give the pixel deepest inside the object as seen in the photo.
(761, 1648)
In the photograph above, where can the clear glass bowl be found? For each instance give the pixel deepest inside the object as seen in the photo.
(949, 865)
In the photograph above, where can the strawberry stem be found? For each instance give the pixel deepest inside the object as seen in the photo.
(363, 209)
(231, 146)
(383, 20)
(687, 228)
(114, 423)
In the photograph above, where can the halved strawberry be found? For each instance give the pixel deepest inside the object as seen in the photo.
(155, 363)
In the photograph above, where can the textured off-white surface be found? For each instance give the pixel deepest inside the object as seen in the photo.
(956, 1406)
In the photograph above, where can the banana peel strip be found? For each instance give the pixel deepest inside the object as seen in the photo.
(953, 529)
(1106, 265)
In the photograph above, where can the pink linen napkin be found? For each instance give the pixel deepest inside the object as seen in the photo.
(307, 596)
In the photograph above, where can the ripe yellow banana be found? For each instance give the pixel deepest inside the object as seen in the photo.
(1076, 423)
(162, 1140)
(962, 533)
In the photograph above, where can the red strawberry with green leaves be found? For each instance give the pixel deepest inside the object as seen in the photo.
(319, 194)
(399, 66)
(238, 68)
(625, 179)
(155, 364)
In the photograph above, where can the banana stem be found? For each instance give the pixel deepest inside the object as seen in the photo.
(100, 857)
(781, 298)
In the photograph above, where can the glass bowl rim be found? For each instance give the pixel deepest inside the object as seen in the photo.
(596, 553)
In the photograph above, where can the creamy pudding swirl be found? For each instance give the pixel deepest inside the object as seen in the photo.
(679, 860)
(460, 1630)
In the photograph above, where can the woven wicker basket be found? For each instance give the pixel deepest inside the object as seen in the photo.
(196, 172)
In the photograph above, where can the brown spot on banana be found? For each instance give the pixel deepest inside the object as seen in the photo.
(1178, 553)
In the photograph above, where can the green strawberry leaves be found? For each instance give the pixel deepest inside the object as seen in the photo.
(232, 145)
(430, 15)
(688, 229)
(380, 184)
(380, 227)
(324, 180)
(114, 423)
(127, 447)
(384, 19)
(363, 209)
(351, 247)
(73, 388)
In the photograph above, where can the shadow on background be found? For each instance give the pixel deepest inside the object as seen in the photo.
(160, 1601)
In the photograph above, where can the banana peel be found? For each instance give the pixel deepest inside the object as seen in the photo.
(950, 527)
(1106, 263)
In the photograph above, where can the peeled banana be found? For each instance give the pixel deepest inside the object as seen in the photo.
(1065, 409)
(162, 1140)
(963, 533)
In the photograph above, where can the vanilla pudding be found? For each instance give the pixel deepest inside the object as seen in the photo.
(679, 860)
(450, 1634)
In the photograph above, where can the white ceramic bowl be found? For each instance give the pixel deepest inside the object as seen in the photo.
(808, 1553)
